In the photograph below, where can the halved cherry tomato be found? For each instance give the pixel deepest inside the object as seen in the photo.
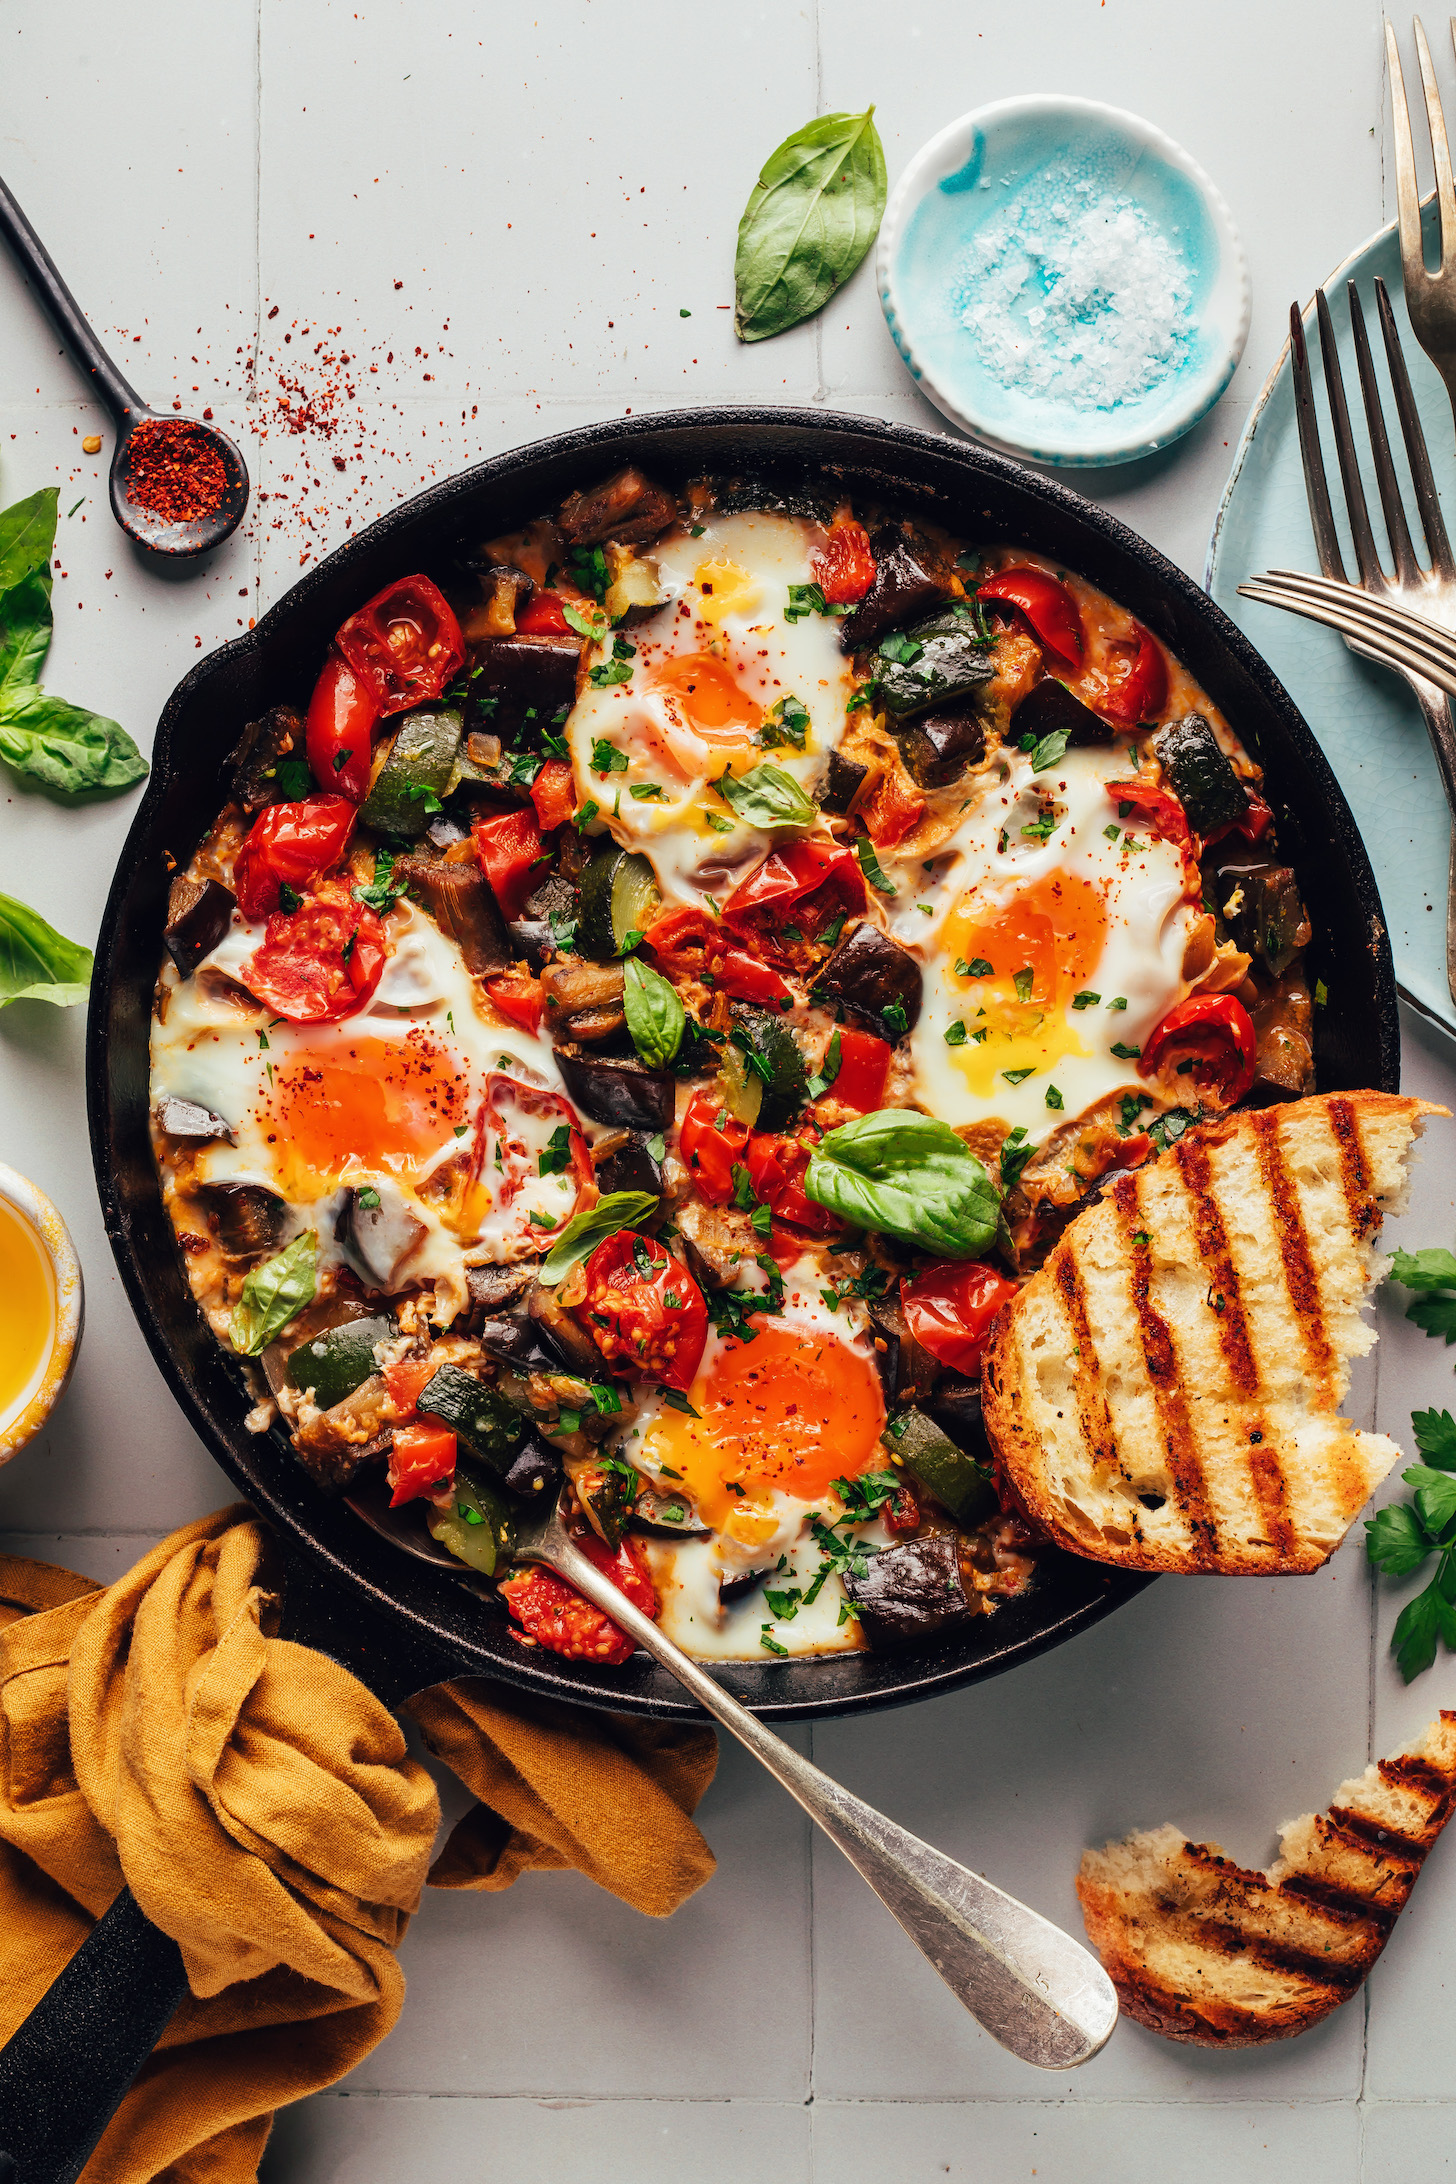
(844, 567)
(1055, 617)
(521, 998)
(864, 1064)
(556, 1617)
(788, 874)
(776, 1168)
(404, 644)
(1141, 691)
(1157, 809)
(341, 717)
(422, 1456)
(542, 617)
(643, 1310)
(949, 1309)
(290, 845)
(1212, 1033)
(511, 851)
(746, 979)
(682, 941)
(404, 1380)
(553, 792)
(892, 810)
(710, 1148)
(319, 962)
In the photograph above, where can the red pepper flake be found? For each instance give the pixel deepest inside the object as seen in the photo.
(175, 472)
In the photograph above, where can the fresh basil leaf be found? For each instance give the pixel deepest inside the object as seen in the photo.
(584, 1231)
(1050, 749)
(27, 536)
(25, 635)
(64, 747)
(910, 1176)
(655, 1015)
(36, 962)
(766, 797)
(275, 1293)
(812, 214)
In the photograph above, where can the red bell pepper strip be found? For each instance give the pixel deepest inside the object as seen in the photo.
(542, 617)
(511, 852)
(404, 644)
(711, 1148)
(1047, 604)
(423, 1455)
(1212, 1032)
(1142, 691)
(864, 1065)
(341, 717)
(776, 1168)
(553, 792)
(746, 979)
(1157, 809)
(788, 874)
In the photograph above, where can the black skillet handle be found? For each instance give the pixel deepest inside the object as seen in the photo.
(122, 400)
(67, 2069)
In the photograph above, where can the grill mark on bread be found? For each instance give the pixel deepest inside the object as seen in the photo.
(1093, 1413)
(1300, 1279)
(1190, 1489)
(1360, 1199)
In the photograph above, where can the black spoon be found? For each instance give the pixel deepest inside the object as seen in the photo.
(160, 534)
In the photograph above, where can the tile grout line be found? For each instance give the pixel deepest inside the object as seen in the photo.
(250, 396)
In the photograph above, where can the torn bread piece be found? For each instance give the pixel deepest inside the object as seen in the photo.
(1201, 1950)
(1164, 1392)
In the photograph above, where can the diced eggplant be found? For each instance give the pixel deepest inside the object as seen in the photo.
(490, 1428)
(619, 1089)
(1199, 774)
(718, 1242)
(733, 1589)
(562, 1333)
(185, 1119)
(1260, 903)
(843, 782)
(939, 745)
(504, 591)
(549, 922)
(772, 1054)
(476, 1525)
(909, 581)
(630, 1167)
(956, 1408)
(198, 914)
(340, 1359)
(965, 1487)
(607, 1490)
(870, 973)
(627, 508)
(911, 1592)
(1050, 706)
(584, 1000)
(523, 681)
(619, 897)
(416, 774)
(747, 496)
(536, 1471)
(248, 1218)
(460, 900)
(908, 1372)
(495, 1289)
(934, 663)
(659, 1509)
(378, 1229)
(511, 1338)
(264, 744)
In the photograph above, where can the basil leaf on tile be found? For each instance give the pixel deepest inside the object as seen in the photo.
(27, 534)
(36, 962)
(65, 747)
(812, 214)
(275, 1293)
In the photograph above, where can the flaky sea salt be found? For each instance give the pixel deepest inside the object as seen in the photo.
(1071, 291)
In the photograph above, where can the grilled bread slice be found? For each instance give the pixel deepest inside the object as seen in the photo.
(1204, 1951)
(1164, 1392)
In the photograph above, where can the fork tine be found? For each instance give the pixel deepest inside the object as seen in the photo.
(1428, 500)
(1407, 190)
(1371, 572)
(1316, 486)
(1440, 151)
(1401, 548)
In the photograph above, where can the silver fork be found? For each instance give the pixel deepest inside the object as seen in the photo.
(1430, 592)
(1430, 297)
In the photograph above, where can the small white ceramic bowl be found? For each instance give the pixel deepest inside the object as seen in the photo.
(989, 161)
(31, 1405)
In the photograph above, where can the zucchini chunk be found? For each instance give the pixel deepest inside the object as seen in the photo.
(939, 660)
(477, 1526)
(1199, 774)
(954, 1478)
(416, 773)
(619, 895)
(341, 1359)
(490, 1428)
(772, 1054)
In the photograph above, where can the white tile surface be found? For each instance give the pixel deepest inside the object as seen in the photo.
(553, 189)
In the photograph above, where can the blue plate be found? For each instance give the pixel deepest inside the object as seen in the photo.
(1364, 717)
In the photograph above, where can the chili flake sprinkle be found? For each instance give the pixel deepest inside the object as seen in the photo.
(175, 472)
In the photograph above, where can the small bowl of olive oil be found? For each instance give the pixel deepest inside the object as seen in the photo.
(40, 1324)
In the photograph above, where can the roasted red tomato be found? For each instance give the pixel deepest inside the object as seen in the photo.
(797, 870)
(290, 845)
(511, 854)
(1055, 617)
(709, 1147)
(1156, 809)
(520, 997)
(543, 617)
(844, 567)
(892, 811)
(643, 1310)
(559, 1619)
(949, 1309)
(1137, 688)
(864, 1065)
(681, 941)
(404, 1380)
(405, 644)
(746, 979)
(422, 1456)
(341, 717)
(1209, 1037)
(776, 1168)
(553, 792)
(320, 961)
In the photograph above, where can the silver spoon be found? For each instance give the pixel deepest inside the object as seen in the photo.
(177, 541)
(1033, 1988)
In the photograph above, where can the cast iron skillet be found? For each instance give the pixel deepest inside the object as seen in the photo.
(391, 1617)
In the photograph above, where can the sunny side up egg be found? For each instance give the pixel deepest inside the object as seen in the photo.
(720, 678)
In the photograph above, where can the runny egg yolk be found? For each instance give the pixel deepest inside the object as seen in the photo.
(1050, 935)
(792, 1411)
(373, 1104)
(706, 695)
(726, 589)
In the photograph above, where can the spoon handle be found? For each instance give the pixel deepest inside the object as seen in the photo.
(1033, 1988)
(122, 400)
